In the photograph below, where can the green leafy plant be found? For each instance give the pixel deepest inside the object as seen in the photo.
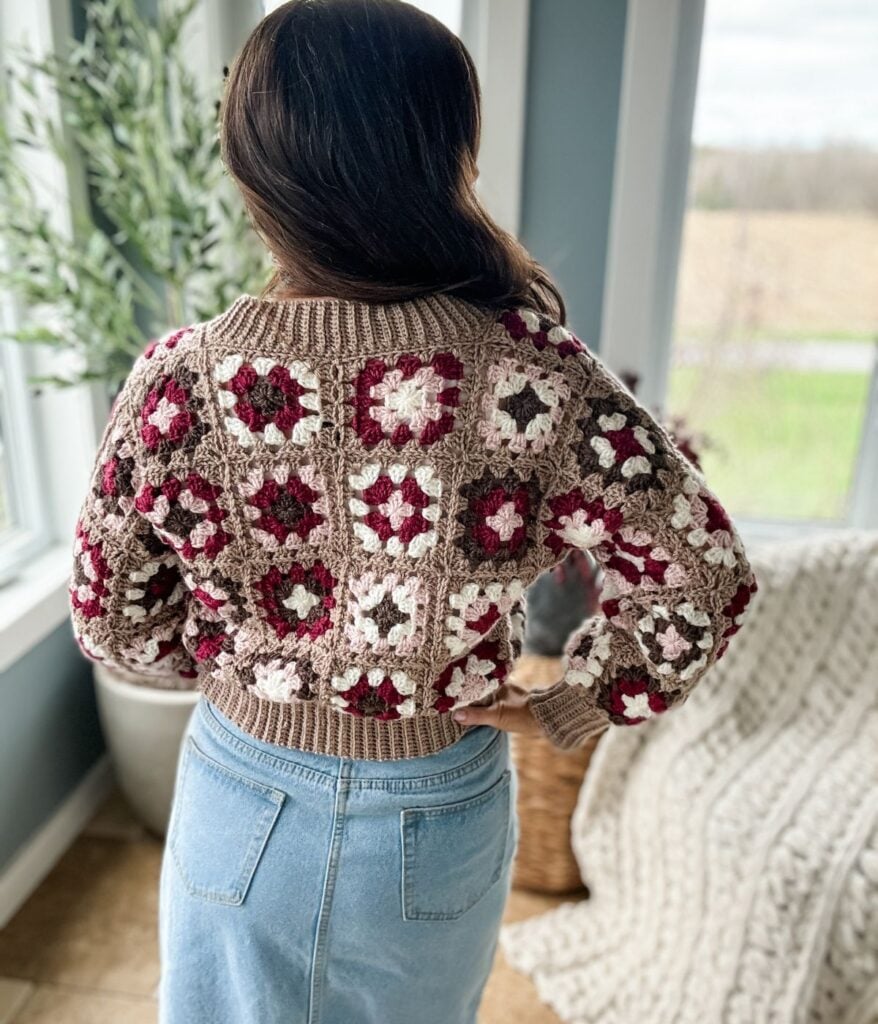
(164, 239)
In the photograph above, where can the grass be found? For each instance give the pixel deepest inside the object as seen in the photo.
(786, 440)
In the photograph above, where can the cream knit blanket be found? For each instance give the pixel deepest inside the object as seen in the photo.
(732, 846)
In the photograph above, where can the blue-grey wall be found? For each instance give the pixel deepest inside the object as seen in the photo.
(49, 735)
(574, 79)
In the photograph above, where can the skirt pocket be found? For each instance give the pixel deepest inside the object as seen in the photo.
(453, 853)
(219, 828)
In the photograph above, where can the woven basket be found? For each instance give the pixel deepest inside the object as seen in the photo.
(549, 781)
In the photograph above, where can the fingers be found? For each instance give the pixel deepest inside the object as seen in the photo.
(490, 715)
(512, 715)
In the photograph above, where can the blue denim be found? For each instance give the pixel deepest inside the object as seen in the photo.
(303, 888)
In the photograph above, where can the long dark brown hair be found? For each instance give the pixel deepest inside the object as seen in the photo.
(352, 129)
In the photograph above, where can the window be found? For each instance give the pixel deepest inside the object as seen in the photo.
(23, 516)
(776, 319)
(748, 303)
(48, 441)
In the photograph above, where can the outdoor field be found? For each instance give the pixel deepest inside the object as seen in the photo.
(775, 338)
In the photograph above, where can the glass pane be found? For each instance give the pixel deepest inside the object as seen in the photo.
(777, 303)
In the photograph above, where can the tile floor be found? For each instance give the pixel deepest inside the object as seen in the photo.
(82, 950)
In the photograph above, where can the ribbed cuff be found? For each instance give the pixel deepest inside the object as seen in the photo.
(567, 714)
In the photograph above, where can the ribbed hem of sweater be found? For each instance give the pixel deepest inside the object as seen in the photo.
(566, 714)
(321, 729)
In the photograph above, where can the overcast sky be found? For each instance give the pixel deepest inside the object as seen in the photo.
(778, 72)
(788, 71)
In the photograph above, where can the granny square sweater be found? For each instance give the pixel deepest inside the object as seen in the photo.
(325, 512)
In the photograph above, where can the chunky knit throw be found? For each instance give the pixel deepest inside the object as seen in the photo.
(732, 848)
(327, 511)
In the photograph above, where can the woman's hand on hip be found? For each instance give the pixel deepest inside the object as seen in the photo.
(508, 711)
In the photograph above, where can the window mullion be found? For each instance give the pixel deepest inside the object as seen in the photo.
(864, 497)
(659, 79)
(20, 443)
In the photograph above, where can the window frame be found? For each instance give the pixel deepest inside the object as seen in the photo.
(659, 85)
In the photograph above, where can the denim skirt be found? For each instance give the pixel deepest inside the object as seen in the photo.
(303, 888)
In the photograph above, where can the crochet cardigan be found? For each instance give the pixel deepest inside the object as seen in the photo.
(324, 512)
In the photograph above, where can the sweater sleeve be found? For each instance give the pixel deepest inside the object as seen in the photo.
(127, 598)
(675, 578)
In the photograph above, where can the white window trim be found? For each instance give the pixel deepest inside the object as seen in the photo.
(659, 79)
(659, 82)
(66, 425)
(496, 34)
(29, 529)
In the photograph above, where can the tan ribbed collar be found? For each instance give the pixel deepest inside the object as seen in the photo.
(339, 325)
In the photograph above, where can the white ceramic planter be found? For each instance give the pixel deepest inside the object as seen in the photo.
(144, 727)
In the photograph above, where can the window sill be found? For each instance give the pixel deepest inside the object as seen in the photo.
(33, 603)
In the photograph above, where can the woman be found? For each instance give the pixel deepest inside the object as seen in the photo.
(326, 502)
